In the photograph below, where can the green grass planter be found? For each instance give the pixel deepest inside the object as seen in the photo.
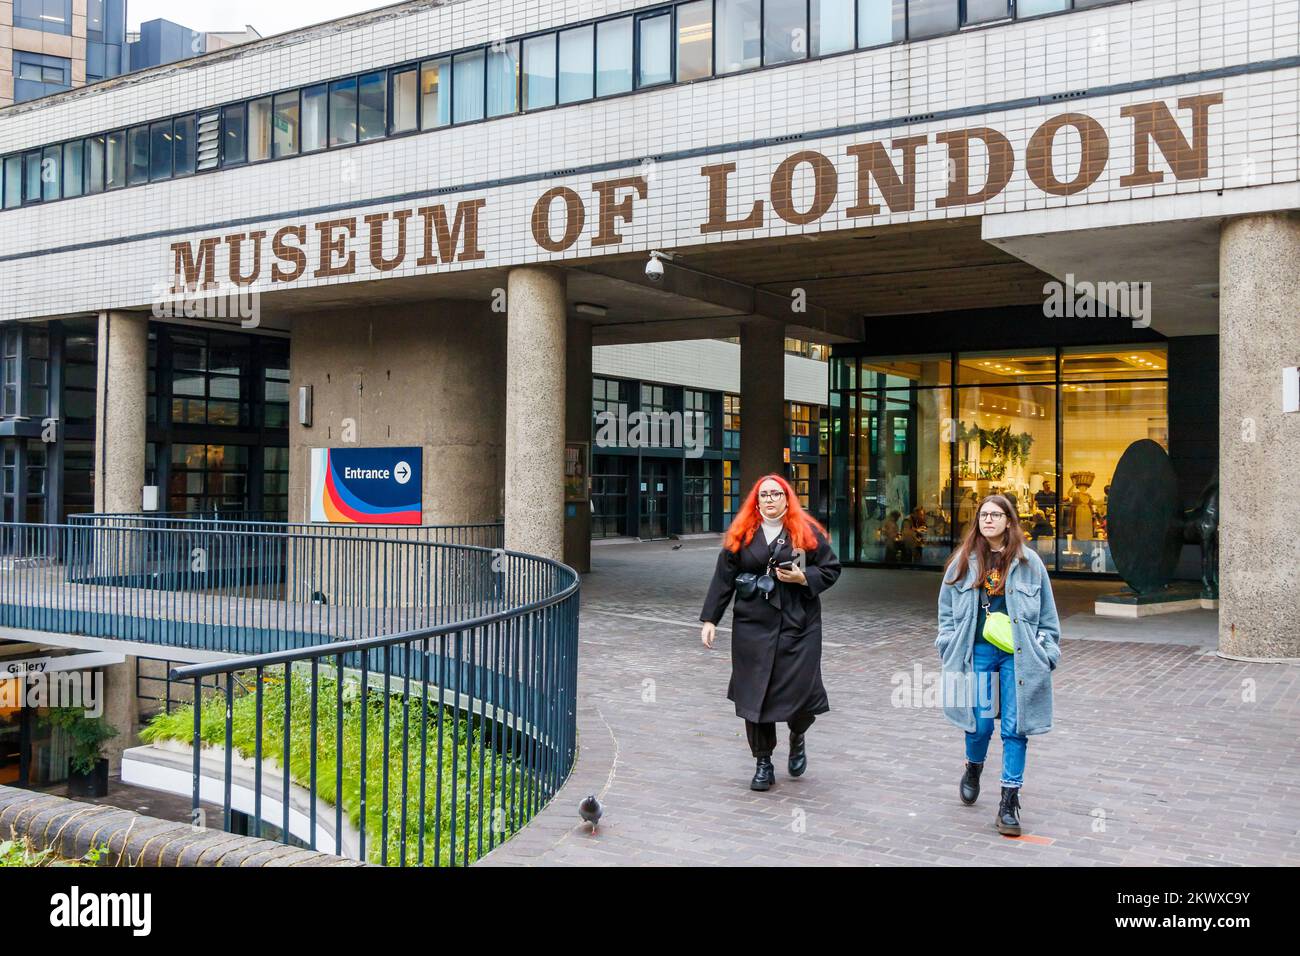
(503, 798)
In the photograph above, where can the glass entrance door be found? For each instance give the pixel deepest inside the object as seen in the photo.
(654, 499)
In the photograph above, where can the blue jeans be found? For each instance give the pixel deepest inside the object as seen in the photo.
(989, 661)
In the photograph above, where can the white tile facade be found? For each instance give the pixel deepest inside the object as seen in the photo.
(115, 250)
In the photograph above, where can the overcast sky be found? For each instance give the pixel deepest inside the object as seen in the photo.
(266, 17)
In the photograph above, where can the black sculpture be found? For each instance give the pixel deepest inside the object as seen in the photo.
(1201, 526)
(1143, 519)
(1147, 527)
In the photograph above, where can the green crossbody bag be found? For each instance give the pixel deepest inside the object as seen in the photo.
(997, 628)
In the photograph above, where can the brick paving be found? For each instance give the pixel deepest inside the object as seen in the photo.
(1163, 753)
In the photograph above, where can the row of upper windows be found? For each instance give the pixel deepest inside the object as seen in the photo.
(681, 42)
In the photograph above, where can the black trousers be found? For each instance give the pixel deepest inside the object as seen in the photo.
(762, 737)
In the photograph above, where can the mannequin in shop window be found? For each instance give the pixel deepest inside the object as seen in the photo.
(1081, 507)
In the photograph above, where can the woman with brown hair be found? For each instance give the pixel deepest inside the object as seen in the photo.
(999, 640)
(776, 559)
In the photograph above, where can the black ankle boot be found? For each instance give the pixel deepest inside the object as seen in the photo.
(1009, 812)
(969, 790)
(764, 775)
(798, 755)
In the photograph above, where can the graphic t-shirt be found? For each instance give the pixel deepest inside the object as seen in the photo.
(994, 592)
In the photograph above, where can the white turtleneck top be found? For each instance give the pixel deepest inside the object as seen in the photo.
(772, 528)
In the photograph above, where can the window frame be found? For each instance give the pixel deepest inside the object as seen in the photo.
(393, 74)
(652, 14)
(447, 85)
(38, 23)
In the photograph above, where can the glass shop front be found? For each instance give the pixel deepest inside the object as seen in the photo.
(918, 440)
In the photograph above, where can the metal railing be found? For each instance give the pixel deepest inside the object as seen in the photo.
(423, 692)
(487, 534)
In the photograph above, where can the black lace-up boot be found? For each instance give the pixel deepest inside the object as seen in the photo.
(1009, 812)
(969, 789)
(764, 775)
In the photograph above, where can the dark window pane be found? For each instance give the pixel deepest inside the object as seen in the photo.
(116, 169)
(13, 181)
(234, 142)
(985, 11)
(73, 168)
(138, 163)
(183, 144)
(51, 173)
(315, 117)
(95, 164)
(32, 176)
(160, 150)
(343, 112)
(373, 98)
(928, 18)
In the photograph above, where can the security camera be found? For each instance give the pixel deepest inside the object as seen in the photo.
(654, 268)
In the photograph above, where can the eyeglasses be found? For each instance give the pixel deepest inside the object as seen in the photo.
(991, 515)
(771, 495)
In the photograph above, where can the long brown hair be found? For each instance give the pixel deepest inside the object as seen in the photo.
(975, 545)
(799, 523)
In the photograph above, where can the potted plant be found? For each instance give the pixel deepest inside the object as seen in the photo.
(87, 767)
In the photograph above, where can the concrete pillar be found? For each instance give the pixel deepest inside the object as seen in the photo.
(762, 401)
(121, 709)
(535, 420)
(427, 375)
(1259, 334)
(577, 418)
(120, 409)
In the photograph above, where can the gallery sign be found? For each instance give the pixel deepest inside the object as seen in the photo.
(367, 485)
(1067, 154)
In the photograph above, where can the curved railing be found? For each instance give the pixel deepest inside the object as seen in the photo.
(423, 692)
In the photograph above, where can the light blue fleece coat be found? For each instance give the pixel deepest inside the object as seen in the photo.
(1036, 632)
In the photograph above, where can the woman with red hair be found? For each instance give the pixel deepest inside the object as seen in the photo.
(776, 559)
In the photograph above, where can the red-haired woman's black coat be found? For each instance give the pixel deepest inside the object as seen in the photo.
(776, 643)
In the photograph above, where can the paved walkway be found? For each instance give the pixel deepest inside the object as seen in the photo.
(1163, 752)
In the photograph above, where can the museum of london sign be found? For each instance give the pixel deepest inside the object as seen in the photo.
(441, 234)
